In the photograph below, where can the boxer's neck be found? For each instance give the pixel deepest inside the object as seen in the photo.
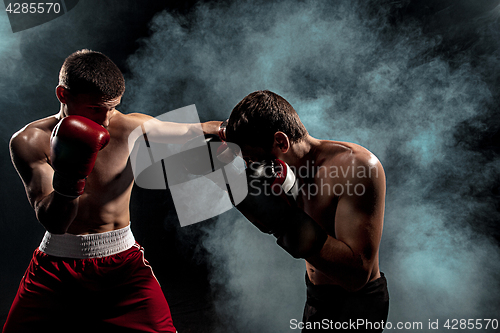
(301, 153)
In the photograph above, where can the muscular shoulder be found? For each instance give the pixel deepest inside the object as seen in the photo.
(352, 181)
(121, 125)
(32, 142)
(352, 172)
(130, 121)
(349, 161)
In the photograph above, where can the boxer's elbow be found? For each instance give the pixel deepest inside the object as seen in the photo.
(55, 230)
(357, 279)
(54, 218)
(360, 269)
(51, 224)
(357, 274)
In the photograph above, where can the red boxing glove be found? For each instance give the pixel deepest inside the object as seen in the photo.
(74, 144)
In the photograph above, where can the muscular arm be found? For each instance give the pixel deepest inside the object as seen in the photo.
(350, 257)
(28, 149)
(171, 132)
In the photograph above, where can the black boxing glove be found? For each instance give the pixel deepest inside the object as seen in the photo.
(204, 154)
(270, 206)
(222, 129)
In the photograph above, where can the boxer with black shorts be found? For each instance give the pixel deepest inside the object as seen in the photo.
(88, 274)
(332, 216)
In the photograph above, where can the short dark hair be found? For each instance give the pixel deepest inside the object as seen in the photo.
(256, 118)
(87, 72)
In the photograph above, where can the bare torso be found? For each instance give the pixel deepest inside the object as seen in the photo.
(332, 162)
(104, 206)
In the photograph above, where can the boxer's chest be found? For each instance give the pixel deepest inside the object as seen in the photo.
(321, 206)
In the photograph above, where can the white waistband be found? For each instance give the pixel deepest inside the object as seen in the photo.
(87, 246)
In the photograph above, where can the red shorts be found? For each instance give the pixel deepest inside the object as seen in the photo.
(117, 293)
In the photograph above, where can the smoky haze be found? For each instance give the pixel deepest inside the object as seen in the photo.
(415, 82)
(420, 96)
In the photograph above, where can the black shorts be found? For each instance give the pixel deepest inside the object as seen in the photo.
(330, 307)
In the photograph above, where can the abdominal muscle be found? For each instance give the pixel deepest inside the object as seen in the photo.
(97, 213)
(317, 277)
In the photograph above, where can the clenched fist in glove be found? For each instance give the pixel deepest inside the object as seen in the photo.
(270, 206)
(74, 144)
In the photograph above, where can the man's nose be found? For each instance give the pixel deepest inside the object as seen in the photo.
(104, 121)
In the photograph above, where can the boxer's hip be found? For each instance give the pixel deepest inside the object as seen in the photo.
(326, 293)
(87, 246)
(334, 303)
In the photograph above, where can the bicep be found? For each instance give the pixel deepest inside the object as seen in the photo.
(359, 217)
(165, 131)
(40, 183)
(33, 168)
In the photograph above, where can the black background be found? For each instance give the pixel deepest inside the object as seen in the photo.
(462, 31)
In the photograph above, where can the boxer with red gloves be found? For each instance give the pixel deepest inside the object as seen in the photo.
(74, 145)
(88, 274)
(335, 222)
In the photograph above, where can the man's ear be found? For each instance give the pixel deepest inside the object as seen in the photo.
(62, 94)
(281, 142)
